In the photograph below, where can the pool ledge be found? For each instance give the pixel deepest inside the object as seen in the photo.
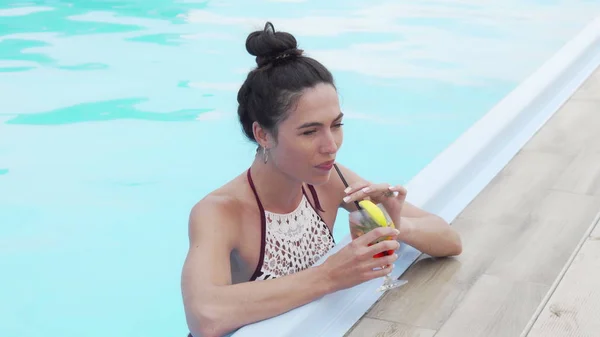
(453, 179)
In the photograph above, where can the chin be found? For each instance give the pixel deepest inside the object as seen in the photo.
(318, 179)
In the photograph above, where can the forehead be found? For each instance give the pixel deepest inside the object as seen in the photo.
(316, 104)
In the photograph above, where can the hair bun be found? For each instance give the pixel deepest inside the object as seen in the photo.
(270, 46)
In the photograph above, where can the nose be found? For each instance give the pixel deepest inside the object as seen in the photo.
(329, 143)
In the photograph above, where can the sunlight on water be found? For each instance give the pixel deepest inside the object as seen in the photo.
(117, 116)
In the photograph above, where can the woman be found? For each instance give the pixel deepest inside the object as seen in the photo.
(253, 240)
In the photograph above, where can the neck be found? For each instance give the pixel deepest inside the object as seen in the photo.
(278, 192)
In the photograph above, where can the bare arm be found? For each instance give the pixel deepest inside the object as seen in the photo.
(431, 235)
(214, 306)
(427, 232)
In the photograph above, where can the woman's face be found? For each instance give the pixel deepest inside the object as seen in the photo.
(310, 137)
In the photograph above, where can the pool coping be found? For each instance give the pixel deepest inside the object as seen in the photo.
(455, 177)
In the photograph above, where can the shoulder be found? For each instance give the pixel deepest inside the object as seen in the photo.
(213, 207)
(218, 214)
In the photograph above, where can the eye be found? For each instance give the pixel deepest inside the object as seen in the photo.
(338, 125)
(309, 132)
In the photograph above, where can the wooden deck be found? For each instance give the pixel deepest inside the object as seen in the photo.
(525, 265)
(572, 306)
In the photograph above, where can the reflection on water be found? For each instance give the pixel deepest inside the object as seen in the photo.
(104, 111)
(162, 39)
(15, 49)
(85, 66)
(117, 116)
(59, 20)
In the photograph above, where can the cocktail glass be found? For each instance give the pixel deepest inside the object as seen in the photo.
(361, 223)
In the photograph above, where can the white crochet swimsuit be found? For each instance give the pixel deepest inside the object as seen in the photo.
(291, 242)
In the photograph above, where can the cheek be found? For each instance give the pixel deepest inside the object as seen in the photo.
(304, 149)
(338, 138)
(287, 150)
(296, 152)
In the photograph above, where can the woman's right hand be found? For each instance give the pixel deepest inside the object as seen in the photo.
(355, 264)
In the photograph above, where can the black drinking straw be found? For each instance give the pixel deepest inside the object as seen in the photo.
(346, 184)
(355, 202)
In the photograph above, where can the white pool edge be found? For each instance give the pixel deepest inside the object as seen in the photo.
(455, 177)
(469, 163)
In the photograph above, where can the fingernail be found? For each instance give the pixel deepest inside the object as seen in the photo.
(366, 190)
(346, 199)
(348, 189)
(396, 231)
(391, 188)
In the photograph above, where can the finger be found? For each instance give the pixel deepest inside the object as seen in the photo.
(380, 262)
(367, 191)
(383, 246)
(376, 234)
(399, 191)
(376, 189)
(356, 186)
(376, 273)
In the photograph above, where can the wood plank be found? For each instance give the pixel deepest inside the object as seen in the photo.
(590, 89)
(574, 307)
(494, 308)
(550, 232)
(493, 222)
(368, 327)
(517, 188)
(436, 287)
(572, 129)
(583, 174)
(595, 233)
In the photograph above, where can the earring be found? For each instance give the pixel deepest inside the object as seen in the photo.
(265, 155)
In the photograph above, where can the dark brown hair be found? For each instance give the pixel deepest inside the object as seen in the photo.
(275, 85)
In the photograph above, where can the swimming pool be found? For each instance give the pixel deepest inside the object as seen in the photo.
(115, 117)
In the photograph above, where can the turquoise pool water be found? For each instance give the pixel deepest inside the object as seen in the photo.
(117, 116)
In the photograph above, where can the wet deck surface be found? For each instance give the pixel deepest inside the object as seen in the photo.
(520, 235)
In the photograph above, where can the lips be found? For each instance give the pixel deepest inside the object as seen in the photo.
(326, 165)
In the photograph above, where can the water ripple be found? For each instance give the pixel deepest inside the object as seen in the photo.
(104, 111)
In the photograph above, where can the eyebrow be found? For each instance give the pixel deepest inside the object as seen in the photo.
(313, 124)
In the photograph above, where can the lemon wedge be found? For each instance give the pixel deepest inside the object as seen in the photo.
(374, 212)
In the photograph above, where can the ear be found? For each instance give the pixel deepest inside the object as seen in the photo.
(261, 135)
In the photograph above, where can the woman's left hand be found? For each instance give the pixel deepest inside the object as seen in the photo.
(391, 197)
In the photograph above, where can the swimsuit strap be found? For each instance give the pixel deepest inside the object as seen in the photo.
(263, 228)
(313, 192)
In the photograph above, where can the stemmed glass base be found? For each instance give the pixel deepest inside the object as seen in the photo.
(389, 283)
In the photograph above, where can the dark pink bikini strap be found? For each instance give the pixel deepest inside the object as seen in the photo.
(313, 192)
(263, 229)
